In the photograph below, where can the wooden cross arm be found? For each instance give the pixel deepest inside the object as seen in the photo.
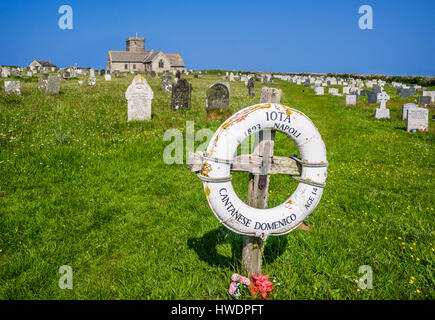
(253, 164)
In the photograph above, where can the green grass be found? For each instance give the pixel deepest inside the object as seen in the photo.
(82, 187)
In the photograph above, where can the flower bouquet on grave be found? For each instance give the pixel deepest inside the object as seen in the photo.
(261, 285)
(238, 285)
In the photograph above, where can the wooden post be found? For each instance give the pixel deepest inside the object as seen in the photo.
(252, 254)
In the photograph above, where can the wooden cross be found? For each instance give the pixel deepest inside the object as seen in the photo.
(260, 165)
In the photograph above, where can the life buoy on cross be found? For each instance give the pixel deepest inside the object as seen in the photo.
(216, 163)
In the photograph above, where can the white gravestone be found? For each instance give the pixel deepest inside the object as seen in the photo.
(382, 112)
(346, 90)
(418, 119)
(12, 87)
(351, 100)
(139, 96)
(92, 81)
(319, 90)
(405, 109)
(431, 94)
(107, 77)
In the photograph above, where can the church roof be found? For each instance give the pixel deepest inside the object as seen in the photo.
(45, 63)
(175, 59)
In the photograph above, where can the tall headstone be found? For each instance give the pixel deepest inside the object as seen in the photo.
(42, 81)
(270, 95)
(218, 96)
(372, 97)
(251, 87)
(139, 96)
(181, 95)
(166, 83)
(12, 87)
(418, 119)
(382, 112)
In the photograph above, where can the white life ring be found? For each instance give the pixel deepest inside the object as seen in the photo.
(216, 164)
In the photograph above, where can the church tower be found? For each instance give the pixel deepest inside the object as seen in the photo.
(135, 44)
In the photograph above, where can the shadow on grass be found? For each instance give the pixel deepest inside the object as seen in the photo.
(206, 248)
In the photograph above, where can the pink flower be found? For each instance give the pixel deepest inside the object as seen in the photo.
(246, 281)
(233, 288)
(235, 277)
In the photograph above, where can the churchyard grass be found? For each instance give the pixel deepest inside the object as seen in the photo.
(81, 186)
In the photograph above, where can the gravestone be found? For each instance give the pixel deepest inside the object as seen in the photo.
(139, 96)
(42, 81)
(92, 81)
(319, 91)
(107, 77)
(116, 73)
(351, 100)
(270, 95)
(418, 119)
(405, 93)
(231, 76)
(218, 96)
(251, 87)
(382, 112)
(333, 91)
(377, 89)
(346, 90)
(430, 94)
(181, 95)
(166, 83)
(372, 97)
(53, 85)
(405, 109)
(12, 87)
(423, 100)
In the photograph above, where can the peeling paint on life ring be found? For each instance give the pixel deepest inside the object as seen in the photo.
(228, 208)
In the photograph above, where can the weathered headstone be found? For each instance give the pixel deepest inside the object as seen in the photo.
(53, 85)
(251, 87)
(92, 81)
(405, 109)
(139, 96)
(218, 96)
(270, 95)
(12, 87)
(181, 95)
(42, 81)
(166, 83)
(418, 119)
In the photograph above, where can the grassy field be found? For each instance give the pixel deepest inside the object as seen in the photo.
(82, 187)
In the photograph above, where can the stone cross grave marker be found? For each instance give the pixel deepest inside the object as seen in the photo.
(139, 96)
(181, 95)
(218, 96)
(382, 112)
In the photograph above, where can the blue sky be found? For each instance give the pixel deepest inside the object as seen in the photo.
(276, 36)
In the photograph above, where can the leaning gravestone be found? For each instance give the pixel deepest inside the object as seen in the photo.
(418, 119)
(351, 100)
(423, 100)
(382, 112)
(405, 109)
(270, 95)
(181, 95)
(218, 96)
(139, 96)
(53, 85)
(12, 87)
(251, 87)
(166, 83)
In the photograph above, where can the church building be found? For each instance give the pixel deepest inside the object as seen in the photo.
(137, 59)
